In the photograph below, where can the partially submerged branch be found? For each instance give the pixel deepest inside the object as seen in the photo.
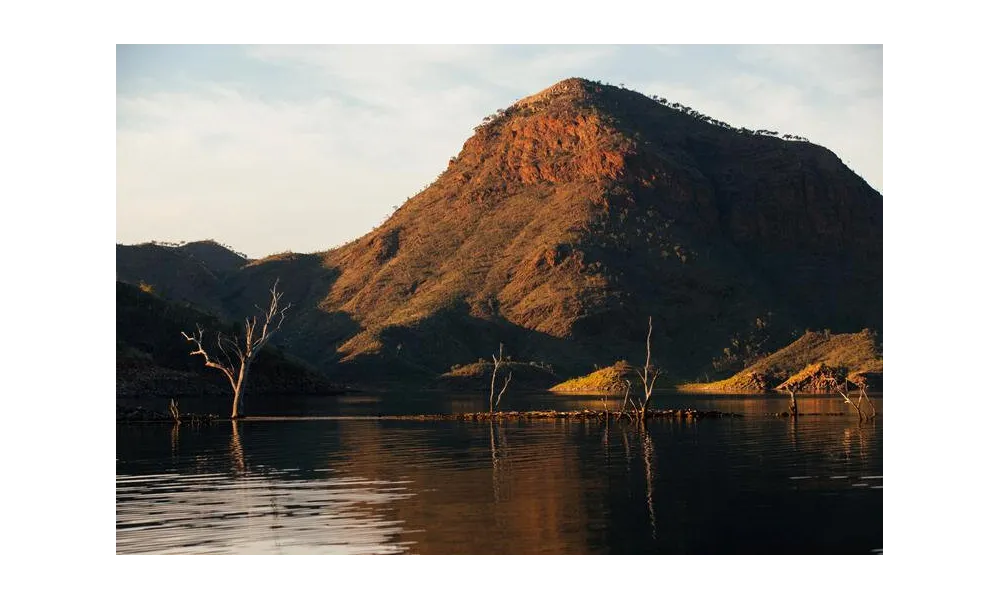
(647, 375)
(498, 362)
(863, 414)
(506, 382)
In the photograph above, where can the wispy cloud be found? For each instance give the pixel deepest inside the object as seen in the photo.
(296, 147)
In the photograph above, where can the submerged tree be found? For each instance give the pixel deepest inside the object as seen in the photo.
(498, 362)
(647, 375)
(238, 351)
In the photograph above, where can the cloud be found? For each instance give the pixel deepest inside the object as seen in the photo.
(829, 94)
(306, 147)
(844, 71)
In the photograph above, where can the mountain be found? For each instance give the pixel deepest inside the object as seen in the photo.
(153, 359)
(566, 221)
(192, 273)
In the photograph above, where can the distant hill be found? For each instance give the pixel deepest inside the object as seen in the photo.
(565, 221)
(153, 359)
(192, 273)
(609, 380)
(477, 376)
(854, 355)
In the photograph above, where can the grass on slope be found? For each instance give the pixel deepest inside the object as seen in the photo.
(609, 380)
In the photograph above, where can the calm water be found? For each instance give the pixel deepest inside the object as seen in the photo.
(758, 485)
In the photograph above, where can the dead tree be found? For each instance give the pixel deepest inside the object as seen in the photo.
(238, 351)
(847, 400)
(841, 388)
(793, 405)
(647, 375)
(626, 401)
(862, 395)
(864, 392)
(498, 362)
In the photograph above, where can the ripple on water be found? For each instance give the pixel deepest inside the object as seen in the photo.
(367, 487)
(219, 513)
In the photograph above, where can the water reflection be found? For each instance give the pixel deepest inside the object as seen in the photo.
(236, 450)
(647, 457)
(439, 402)
(716, 486)
(175, 439)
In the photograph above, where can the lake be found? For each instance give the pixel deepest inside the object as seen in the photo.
(350, 484)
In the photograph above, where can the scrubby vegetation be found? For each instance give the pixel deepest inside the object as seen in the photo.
(609, 380)
(816, 362)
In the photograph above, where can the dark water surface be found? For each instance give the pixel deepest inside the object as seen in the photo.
(756, 485)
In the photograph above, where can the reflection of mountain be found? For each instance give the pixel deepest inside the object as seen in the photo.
(514, 502)
(366, 491)
(716, 486)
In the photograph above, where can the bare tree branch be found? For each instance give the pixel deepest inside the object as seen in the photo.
(497, 363)
(241, 349)
(209, 361)
(648, 374)
(510, 373)
(625, 399)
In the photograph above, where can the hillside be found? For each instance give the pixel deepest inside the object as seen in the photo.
(609, 380)
(803, 362)
(192, 273)
(153, 359)
(564, 222)
(477, 375)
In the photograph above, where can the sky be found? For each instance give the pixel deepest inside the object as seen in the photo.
(304, 148)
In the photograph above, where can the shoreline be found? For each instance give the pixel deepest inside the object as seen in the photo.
(140, 415)
(681, 415)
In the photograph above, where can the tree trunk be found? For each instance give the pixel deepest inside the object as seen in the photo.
(237, 402)
(238, 393)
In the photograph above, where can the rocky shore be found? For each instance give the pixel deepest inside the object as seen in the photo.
(557, 415)
(138, 414)
(144, 415)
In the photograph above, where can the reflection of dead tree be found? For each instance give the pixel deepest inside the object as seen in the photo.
(175, 438)
(793, 425)
(647, 375)
(238, 351)
(236, 451)
(647, 457)
(498, 362)
(498, 452)
(628, 451)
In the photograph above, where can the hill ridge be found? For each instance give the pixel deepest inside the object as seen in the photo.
(569, 217)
